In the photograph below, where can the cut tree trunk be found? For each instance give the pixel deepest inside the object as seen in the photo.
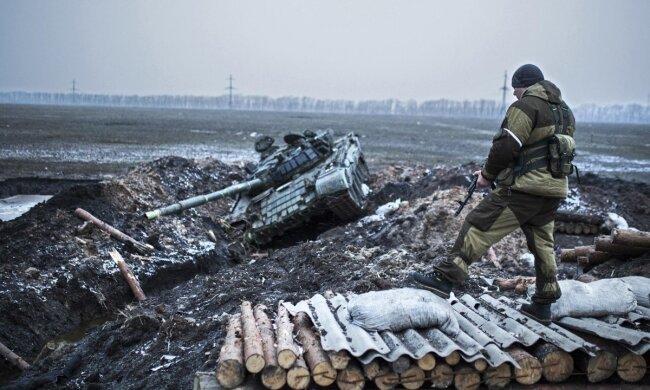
(594, 258)
(557, 365)
(605, 244)
(371, 370)
(599, 367)
(571, 255)
(480, 365)
(351, 377)
(412, 378)
(298, 376)
(401, 364)
(139, 246)
(322, 371)
(631, 238)
(253, 350)
(565, 216)
(273, 376)
(442, 376)
(453, 358)
(287, 351)
(13, 358)
(427, 362)
(466, 378)
(631, 367)
(386, 379)
(530, 370)
(498, 377)
(128, 276)
(230, 368)
(339, 359)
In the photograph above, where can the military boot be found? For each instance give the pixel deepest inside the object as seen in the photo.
(435, 282)
(538, 312)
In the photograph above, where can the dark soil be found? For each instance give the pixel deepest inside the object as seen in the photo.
(76, 302)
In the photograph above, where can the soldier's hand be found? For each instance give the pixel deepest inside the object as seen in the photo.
(481, 182)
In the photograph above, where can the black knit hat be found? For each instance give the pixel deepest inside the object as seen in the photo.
(526, 76)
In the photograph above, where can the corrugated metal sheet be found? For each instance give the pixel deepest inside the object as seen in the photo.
(488, 326)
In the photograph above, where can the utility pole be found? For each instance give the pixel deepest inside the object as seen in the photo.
(504, 89)
(230, 88)
(74, 91)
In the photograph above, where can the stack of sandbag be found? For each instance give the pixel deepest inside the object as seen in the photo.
(400, 309)
(600, 298)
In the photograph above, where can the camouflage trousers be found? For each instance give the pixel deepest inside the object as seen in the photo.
(499, 214)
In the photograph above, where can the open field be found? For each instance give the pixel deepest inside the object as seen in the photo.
(101, 142)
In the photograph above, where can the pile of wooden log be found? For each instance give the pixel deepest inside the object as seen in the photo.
(621, 244)
(289, 353)
(574, 223)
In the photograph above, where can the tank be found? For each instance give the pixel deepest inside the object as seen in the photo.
(310, 174)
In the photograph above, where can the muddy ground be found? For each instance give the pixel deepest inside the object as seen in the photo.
(61, 295)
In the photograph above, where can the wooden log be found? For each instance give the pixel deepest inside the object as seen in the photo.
(13, 358)
(557, 365)
(571, 255)
(594, 229)
(427, 362)
(287, 350)
(128, 276)
(510, 284)
(442, 376)
(605, 244)
(594, 258)
(253, 350)
(273, 376)
(339, 359)
(298, 376)
(453, 358)
(401, 364)
(558, 226)
(322, 371)
(412, 378)
(590, 219)
(480, 365)
(578, 228)
(599, 367)
(497, 377)
(530, 370)
(230, 367)
(351, 377)
(371, 370)
(139, 246)
(466, 378)
(569, 227)
(631, 367)
(631, 238)
(386, 378)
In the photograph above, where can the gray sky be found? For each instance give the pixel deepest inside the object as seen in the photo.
(595, 51)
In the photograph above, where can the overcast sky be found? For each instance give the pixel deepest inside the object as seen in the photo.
(595, 51)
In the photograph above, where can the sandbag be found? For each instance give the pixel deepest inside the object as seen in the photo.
(400, 309)
(596, 299)
(640, 287)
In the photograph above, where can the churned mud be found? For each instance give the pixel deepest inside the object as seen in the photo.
(62, 296)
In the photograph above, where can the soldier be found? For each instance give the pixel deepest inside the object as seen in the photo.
(528, 192)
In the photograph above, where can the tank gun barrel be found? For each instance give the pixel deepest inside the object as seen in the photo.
(202, 199)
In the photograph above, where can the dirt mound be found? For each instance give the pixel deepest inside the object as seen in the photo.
(73, 299)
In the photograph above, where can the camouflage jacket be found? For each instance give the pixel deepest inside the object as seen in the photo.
(527, 121)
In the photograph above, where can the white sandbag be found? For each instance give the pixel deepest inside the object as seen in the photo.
(400, 309)
(640, 286)
(595, 299)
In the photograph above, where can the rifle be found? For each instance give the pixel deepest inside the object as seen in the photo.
(470, 191)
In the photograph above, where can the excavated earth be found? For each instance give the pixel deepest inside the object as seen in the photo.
(61, 295)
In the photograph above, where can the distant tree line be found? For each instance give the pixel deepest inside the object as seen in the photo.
(630, 113)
